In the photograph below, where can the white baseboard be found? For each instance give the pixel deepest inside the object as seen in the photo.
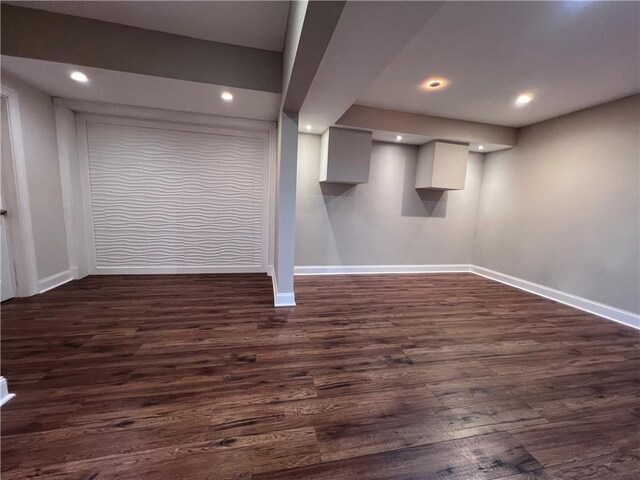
(379, 269)
(605, 311)
(54, 281)
(281, 299)
(285, 300)
(5, 396)
(596, 308)
(177, 270)
(75, 272)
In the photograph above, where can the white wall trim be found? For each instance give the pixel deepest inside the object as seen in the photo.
(177, 270)
(23, 245)
(601, 310)
(66, 137)
(285, 300)
(273, 172)
(87, 261)
(5, 396)
(158, 114)
(281, 299)
(596, 308)
(53, 281)
(379, 269)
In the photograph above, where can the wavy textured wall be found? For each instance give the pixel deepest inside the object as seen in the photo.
(175, 198)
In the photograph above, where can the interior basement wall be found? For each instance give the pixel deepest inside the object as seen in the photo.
(43, 177)
(562, 208)
(386, 221)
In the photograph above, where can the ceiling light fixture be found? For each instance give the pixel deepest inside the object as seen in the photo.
(434, 83)
(480, 147)
(79, 77)
(398, 138)
(308, 127)
(524, 98)
(226, 96)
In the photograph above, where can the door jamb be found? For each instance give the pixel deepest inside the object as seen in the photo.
(23, 251)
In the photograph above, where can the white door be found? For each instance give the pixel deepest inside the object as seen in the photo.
(171, 200)
(8, 285)
(8, 279)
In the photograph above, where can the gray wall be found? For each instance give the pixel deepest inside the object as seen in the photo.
(75, 40)
(562, 209)
(385, 221)
(43, 177)
(297, 12)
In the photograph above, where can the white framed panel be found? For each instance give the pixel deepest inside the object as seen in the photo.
(164, 197)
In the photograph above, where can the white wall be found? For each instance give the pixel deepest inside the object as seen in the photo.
(385, 221)
(562, 208)
(43, 177)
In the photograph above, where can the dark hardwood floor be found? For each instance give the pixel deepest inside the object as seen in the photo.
(447, 376)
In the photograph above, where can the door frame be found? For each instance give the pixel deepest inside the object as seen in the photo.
(6, 239)
(143, 117)
(20, 223)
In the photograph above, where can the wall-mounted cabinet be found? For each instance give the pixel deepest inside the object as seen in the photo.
(442, 165)
(345, 156)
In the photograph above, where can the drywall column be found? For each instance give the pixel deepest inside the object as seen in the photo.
(309, 31)
(287, 167)
(287, 171)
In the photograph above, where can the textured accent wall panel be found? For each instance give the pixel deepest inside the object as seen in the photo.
(175, 198)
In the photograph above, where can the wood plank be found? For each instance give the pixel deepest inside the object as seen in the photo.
(482, 457)
(447, 376)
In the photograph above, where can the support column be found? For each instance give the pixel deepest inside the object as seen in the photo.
(285, 235)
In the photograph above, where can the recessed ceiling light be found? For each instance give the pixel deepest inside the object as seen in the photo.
(524, 98)
(308, 127)
(79, 77)
(398, 138)
(226, 96)
(480, 147)
(434, 83)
